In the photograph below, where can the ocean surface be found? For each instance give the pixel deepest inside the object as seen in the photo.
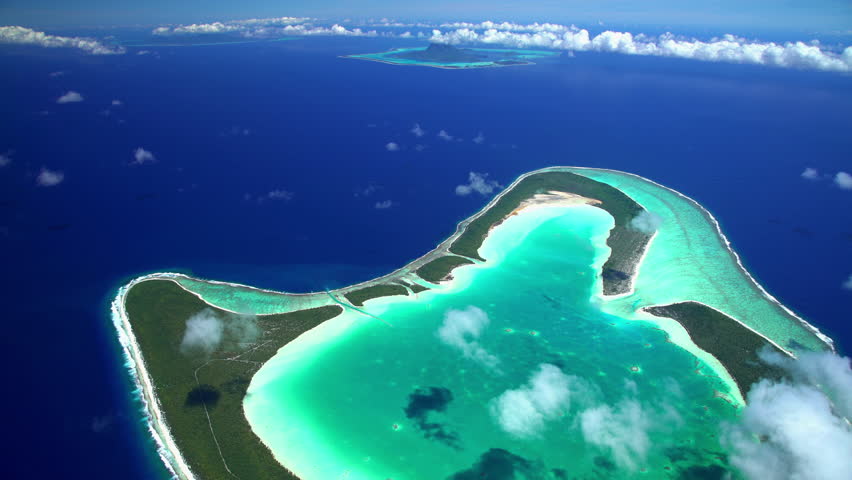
(228, 124)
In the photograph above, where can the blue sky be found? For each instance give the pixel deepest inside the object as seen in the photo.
(790, 15)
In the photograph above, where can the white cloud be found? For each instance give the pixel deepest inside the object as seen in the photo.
(622, 430)
(56, 74)
(848, 283)
(392, 147)
(70, 97)
(796, 429)
(727, 48)
(27, 36)
(5, 160)
(49, 178)
(479, 139)
(203, 333)
(825, 370)
(461, 330)
(264, 28)
(142, 156)
(384, 205)
(523, 412)
(477, 182)
(417, 131)
(508, 26)
(443, 135)
(242, 329)
(646, 222)
(280, 194)
(366, 192)
(117, 103)
(810, 174)
(843, 180)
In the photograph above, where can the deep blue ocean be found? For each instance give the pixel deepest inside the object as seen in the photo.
(231, 123)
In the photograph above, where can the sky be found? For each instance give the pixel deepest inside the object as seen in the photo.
(817, 16)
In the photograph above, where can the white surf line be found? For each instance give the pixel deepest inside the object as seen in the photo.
(166, 445)
(167, 448)
(172, 277)
(154, 419)
(827, 340)
(442, 249)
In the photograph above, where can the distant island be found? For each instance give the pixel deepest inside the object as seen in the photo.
(662, 262)
(439, 55)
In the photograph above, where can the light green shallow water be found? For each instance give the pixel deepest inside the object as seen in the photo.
(518, 54)
(251, 300)
(688, 260)
(328, 403)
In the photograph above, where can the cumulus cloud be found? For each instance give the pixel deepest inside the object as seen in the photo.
(810, 174)
(367, 191)
(509, 26)
(646, 222)
(49, 178)
(70, 97)
(27, 36)
(443, 135)
(142, 156)
(621, 430)
(392, 147)
(203, 333)
(727, 48)
(264, 28)
(206, 331)
(461, 330)
(843, 180)
(5, 159)
(242, 329)
(280, 194)
(417, 131)
(479, 139)
(796, 429)
(523, 412)
(477, 182)
(277, 194)
(848, 283)
(384, 205)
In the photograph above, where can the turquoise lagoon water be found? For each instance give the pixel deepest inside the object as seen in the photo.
(513, 54)
(688, 260)
(333, 403)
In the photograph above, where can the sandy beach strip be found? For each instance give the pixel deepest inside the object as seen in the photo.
(167, 449)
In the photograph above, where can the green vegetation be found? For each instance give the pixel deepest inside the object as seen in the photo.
(358, 297)
(440, 53)
(415, 287)
(627, 244)
(734, 345)
(158, 310)
(438, 269)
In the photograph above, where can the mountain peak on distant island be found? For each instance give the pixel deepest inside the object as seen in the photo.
(441, 47)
